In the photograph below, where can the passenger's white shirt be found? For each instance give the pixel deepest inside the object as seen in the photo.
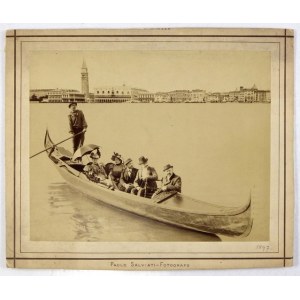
(144, 172)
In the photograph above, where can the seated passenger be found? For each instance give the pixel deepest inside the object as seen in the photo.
(95, 171)
(170, 181)
(145, 181)
(127, 177)
(115, 173)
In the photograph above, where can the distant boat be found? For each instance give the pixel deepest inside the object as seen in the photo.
(171, 208)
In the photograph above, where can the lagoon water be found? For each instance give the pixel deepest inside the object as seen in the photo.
(219, 150)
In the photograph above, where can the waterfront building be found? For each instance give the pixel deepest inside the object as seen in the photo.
(162, 97)
(135, 94)
(198, 96)
(91, 97)
(39, 94)
(250, 95)
(247, 95)
(85, 81)
(268, 96)
(178, 96)
(64, 95)
(241, 95)
(224, 97)
(112, 94)
(213, 97)
(263, 96)
(233, 96)
(146, 97)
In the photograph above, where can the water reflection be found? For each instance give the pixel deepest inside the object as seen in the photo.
(58, 200)
(85, 219)
(86, 227)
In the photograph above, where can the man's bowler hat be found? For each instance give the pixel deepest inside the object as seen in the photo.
(167, 167)
(142, 160)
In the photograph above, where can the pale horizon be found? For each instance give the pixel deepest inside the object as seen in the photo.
(155, 71)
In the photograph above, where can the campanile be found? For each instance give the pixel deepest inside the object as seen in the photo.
(84, 80)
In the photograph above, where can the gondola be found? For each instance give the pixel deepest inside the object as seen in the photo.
(171, 208)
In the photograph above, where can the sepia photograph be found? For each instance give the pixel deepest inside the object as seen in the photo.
(184, 141)
(138, 145)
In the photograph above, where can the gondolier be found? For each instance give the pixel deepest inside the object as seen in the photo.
(77, 124)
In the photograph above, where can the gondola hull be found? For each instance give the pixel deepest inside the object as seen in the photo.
(178, 210)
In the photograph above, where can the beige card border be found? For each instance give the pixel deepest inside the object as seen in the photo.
(156, 249)
(16, 259)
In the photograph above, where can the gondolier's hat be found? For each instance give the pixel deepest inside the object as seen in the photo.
(127, 161)
(72, 103)
(142, 160)
(167, 167)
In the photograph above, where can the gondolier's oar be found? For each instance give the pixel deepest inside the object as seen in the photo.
(57, 143)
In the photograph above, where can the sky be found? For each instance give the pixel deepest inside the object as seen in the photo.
(213, 71)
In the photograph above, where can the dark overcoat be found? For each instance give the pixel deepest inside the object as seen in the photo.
(173, 183)
(126, 178)
(150, 182)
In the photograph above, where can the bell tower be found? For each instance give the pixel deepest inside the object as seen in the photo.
(84, 80)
